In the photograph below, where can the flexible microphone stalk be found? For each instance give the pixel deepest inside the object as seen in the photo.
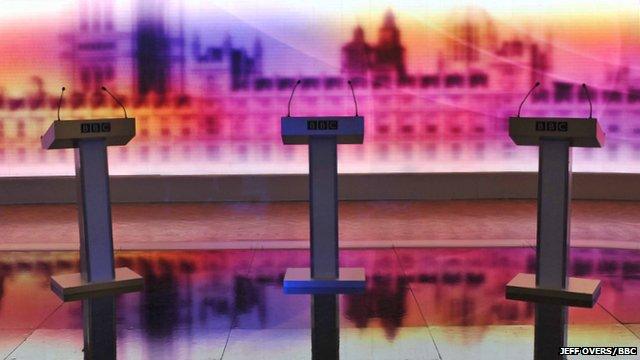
(291, 98)
(586, 91)
(354, 96)
(60, 102)
(118, 101)
(525, 98)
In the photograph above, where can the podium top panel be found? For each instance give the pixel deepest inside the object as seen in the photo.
(298, 130)
(580, 132)
(65, 134)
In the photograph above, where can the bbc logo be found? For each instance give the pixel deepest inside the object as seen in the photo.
(322, 125)
(562, 126)
(103, 127)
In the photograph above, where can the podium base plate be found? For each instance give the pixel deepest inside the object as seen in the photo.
(579, 292)
(299, 281)
(70, 287)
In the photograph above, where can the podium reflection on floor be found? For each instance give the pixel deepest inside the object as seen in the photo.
(325, 327)
(99, 327)
(230, 305)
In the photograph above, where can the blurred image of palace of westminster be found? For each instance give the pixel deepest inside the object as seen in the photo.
(198, 103)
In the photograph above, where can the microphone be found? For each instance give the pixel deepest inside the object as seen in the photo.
(291, 97)
(525, 98)
(354, 96)
(118, 101)
(586, 91)
(60, 102)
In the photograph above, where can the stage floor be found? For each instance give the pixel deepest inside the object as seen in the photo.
(285, 225)
(420, 303)
(436, 274)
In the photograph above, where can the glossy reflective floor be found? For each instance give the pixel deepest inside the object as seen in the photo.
(420, 303)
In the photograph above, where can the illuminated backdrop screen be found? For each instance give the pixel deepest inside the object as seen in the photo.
(209, 80)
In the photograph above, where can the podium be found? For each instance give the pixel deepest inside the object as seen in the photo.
(550, 287)
(322, 134)
(90, 139)
(98, 280)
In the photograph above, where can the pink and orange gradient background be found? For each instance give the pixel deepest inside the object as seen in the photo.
(592, 41)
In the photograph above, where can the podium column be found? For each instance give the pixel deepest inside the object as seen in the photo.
(552, 246)
(94, 211)
(96, 246)
(323, 208)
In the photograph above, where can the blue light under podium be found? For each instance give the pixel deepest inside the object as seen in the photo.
(349, 281)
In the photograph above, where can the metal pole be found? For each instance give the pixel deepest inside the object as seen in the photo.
(552, 250)
(323, 195)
